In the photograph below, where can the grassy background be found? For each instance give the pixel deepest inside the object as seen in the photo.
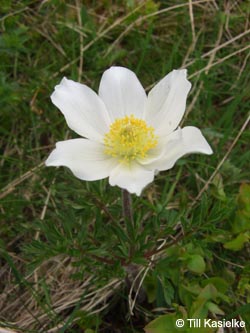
(68, 260)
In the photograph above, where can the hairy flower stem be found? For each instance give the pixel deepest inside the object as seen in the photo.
(127, 207)
(129, 220)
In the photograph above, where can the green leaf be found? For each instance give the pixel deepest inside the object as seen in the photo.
(219, 283)
(188, 294)
(199, 307)
(168, 291)
(212, 307)
(237, 243)
(244, 286)
(196, 264)
(241, 222)
(209, 292)
(242, 217)
(219, 188)
(164, 324)
(244, 197)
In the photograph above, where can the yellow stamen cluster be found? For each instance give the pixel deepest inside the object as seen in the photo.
(129, 138)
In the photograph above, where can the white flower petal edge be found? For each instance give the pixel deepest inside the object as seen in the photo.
(167, 102)
(122, 93)
(133, 177)
(179, 143)
(84, 111)
(85, 158)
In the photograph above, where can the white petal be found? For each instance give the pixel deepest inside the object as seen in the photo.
(83, 109)
(132, 177)
(179, 143)
(122, 93)
(167, 102)
(83, 157)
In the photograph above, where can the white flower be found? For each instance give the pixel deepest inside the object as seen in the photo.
(128, 136)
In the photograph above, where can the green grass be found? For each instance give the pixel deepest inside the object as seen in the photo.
(68, 259)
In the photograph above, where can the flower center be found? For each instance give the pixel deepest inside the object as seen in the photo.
(129, 138)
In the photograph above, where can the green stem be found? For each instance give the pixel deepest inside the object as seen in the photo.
(127, 206)
(129, 220)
